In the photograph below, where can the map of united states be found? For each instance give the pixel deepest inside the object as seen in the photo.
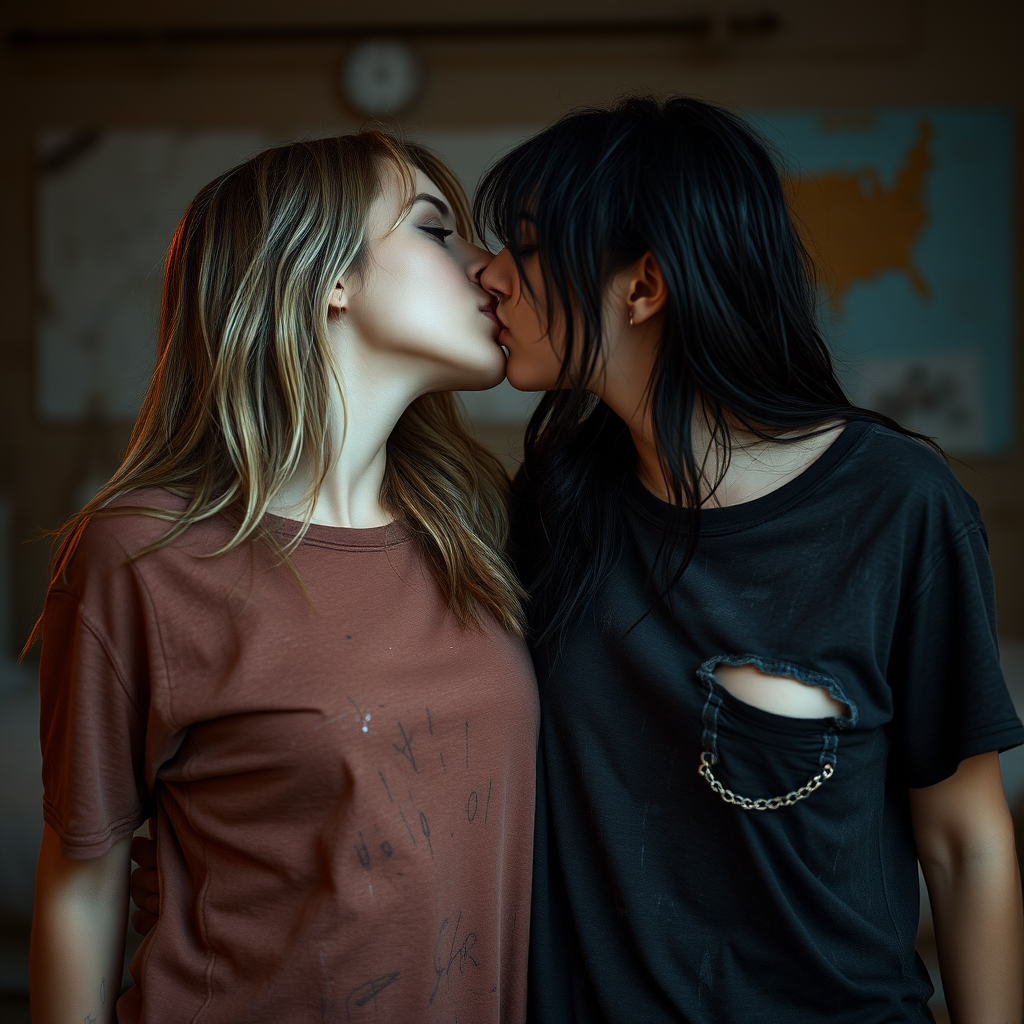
(856, 228)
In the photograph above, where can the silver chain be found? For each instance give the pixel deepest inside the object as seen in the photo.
(764, 803)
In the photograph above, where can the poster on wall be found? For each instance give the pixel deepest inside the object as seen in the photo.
(906, 212)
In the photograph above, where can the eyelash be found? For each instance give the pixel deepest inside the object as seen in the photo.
(439, 233)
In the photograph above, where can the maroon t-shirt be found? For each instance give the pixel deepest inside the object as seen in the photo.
(343, 778)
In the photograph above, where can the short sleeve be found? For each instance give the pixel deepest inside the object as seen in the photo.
(951, 701)
(93, 686)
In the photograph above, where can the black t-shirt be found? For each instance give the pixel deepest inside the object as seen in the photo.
(657, 900)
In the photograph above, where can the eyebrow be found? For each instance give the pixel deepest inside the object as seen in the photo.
(426, 197)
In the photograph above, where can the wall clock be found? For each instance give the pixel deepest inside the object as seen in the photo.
(381, 76)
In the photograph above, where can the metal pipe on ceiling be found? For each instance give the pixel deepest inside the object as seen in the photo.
(693, 26)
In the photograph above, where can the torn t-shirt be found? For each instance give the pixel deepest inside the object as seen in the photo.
(343, 778)
(660, 898)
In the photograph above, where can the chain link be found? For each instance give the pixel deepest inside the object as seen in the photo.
(771, 803)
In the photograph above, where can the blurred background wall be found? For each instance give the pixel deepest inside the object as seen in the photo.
(210, 81)
(73, 75)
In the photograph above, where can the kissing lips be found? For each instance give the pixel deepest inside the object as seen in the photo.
(491, 312)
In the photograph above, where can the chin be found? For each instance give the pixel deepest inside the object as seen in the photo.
(526, 381)
(483, 381)
(486, 374)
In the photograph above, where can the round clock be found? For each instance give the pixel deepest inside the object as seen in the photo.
(381, 76)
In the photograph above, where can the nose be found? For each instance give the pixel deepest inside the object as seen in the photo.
(495, 276)
(478, 261)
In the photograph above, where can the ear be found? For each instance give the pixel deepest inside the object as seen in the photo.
(338, 302)
(646, 292)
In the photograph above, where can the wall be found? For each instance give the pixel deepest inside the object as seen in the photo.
(937, 52)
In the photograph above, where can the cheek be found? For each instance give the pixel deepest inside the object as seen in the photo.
(527, 326)
(419, 290)
(427, 273)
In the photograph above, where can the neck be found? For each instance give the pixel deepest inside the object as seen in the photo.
(376, 396)
(756, 466)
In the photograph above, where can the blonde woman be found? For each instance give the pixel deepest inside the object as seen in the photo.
(286, 629)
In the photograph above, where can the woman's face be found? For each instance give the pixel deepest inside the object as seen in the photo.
(534, 352)
(536, 344)
(417, 304)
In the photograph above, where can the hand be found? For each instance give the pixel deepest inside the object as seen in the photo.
(145, 884)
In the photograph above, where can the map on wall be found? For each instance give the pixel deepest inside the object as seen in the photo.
(907, 212)
(908, 215)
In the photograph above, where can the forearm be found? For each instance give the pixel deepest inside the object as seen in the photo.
(976, 906)
(78, 929)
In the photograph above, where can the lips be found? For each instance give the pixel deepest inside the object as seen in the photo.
(491, 312)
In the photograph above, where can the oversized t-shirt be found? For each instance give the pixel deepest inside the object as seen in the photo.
(343, 776)
(658, 898)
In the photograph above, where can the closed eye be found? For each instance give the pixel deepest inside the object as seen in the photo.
(439, 233)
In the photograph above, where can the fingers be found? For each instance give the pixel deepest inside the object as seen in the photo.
(146, 898)
(144, 852)
(145, 882)
(145, 890)
(143, 921)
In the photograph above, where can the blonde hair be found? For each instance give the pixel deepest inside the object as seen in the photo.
(244, 378)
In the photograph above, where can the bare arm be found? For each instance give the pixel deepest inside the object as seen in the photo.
(78, 930)
(965, 844)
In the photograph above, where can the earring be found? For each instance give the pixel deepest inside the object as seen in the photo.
(631, 318)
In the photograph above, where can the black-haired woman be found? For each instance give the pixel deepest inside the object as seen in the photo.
(764, 622)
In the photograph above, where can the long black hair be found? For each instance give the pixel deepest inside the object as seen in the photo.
(697, 187)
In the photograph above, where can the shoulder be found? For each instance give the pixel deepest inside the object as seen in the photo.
(898, 499)
(110, 543)
(130, 522)
(891, 450)
(899, 474)
(97, 591)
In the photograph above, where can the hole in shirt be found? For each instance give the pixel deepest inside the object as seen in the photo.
(778, 695)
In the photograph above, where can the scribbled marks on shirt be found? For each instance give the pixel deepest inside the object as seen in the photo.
(363, 851)
(366, 994)
(412, 741)
(326, 992)
(405, 749)
(453, 948)
(473, 803)
(424, 824)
